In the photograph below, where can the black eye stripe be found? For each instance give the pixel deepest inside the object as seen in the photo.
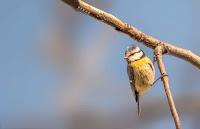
(135, 53)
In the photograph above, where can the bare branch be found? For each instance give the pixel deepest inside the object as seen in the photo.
(133, 32)
(158, 53)
(160, 47)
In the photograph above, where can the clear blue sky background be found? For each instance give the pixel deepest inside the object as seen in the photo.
(28, 86)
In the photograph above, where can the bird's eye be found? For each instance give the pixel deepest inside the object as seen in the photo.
(131, 54)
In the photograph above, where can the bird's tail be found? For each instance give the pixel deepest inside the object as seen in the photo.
(138, 102)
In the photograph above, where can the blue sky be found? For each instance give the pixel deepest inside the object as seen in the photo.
(28, 86)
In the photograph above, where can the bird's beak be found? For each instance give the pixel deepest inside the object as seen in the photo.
(125, 57)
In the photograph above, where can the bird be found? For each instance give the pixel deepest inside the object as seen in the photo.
(141, 72)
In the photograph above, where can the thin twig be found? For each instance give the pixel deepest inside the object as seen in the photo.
(133, 32)
(158, 53)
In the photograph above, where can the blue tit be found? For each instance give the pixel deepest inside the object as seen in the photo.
(140, 70)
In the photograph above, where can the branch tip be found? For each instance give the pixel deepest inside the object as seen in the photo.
(72, 3)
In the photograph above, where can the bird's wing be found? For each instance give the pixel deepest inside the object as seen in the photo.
(130, 72)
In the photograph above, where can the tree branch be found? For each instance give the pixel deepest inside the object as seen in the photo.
(158, 53)
(160, 47)
(134, 32)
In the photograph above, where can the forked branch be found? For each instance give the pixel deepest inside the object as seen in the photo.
(133, 32)
(160, 47)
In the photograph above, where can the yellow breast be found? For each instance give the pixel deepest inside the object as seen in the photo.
(144, 74)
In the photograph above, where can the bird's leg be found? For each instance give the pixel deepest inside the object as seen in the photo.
(163, 75)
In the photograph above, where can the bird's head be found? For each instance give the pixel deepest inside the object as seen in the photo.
(133, 53)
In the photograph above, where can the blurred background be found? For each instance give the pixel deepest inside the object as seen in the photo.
(60, 69)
